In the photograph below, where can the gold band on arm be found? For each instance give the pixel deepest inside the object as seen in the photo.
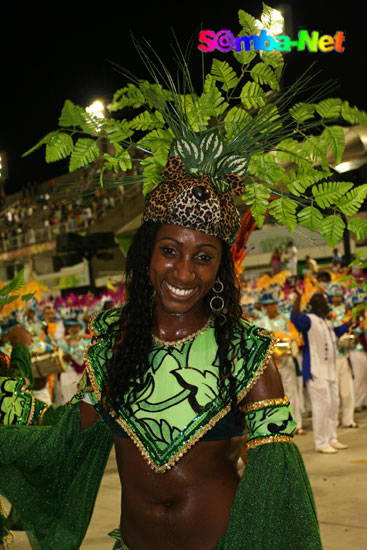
(256, 405)
(270, 439)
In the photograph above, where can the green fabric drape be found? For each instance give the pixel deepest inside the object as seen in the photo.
(274, 507)
(51, 475)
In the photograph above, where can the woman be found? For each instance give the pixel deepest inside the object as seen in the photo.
(173, 375)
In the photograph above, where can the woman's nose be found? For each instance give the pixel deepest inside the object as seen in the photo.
(184, 270)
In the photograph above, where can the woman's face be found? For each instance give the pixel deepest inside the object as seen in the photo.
(183, 267)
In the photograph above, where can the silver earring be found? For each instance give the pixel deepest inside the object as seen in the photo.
(217, 303)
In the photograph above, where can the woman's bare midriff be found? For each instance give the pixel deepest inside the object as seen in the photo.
(188, 506)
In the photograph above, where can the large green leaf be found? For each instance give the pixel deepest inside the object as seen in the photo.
(129, 96)
(48, 137)
(353, 114)
(302, 111)
(223, 72)
(267, 117)
(249, 24)
(235, 120)
(146, 121)
(264, 74)
(334, 138)
(332, 228)
(252, 95)
(159, 142)
(75, 116)
(329, 192)
(359, 227)
(152, 173)
(117, 131)
(85, 151)
(14, 285)
(59, 147)
(316, 149)
(352, 201)
(257, 195)
(329, 108)
(274, 59)
(310, 217)
(284, 211)
(297, 181)
(211, 102)
(292, 150)
(265, 168)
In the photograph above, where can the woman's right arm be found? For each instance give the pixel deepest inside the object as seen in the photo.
(88, 415)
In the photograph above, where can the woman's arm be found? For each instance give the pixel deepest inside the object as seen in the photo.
(88, 415)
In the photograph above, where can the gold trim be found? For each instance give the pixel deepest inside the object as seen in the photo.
(172, 461)
(271, 439)
(256, 405)
(188, 338)
(40, 420)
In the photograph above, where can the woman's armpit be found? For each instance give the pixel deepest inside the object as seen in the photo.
(89, 415)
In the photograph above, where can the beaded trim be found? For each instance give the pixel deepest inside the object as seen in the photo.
(33, 406)
(265, 403)
(40, 420)
(188, 338)
(270, 439)
(143, 451)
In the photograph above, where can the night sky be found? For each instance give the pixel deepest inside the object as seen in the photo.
(48, 57)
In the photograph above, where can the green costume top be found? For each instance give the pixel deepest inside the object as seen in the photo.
(179, 401)
(51, 474)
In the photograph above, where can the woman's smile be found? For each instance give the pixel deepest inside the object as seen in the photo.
(183, 269)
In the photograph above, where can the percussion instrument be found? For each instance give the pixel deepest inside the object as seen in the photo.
(286, 346)
(44, 364)
(347, 340)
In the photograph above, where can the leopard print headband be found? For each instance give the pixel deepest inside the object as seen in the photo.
(191, 200)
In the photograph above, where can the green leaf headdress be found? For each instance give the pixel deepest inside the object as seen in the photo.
(240, 135)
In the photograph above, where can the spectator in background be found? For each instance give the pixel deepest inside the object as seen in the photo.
(311, 265)
(275, 262)
(290, 258)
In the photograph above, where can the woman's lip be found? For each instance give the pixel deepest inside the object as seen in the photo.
(170, 288)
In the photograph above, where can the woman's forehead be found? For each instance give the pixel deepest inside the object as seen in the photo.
(186, 235)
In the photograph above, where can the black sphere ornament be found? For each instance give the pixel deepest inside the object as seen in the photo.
(201, 193)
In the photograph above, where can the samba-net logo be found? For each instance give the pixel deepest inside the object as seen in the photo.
(225, 41)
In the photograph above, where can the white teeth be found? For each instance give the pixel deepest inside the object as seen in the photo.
(180, 291)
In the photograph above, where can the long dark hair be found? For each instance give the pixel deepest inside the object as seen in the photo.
(127, 369)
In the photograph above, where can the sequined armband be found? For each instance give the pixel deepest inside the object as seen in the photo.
(84, 388)
(269, 421)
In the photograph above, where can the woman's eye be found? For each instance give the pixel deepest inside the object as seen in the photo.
(168, 251)
(204, 258)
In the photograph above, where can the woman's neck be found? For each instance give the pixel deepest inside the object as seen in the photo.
(173, 326)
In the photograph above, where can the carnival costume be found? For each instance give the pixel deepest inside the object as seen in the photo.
(197, 154)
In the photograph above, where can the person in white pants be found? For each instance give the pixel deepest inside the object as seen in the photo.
(358, 353)
(344, 373)
(278, 323)
(319, 369)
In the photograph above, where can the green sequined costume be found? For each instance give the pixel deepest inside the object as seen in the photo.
(60, 468)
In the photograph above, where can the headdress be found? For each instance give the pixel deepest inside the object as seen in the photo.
(241, 134)
(355, 297)
(335, 290)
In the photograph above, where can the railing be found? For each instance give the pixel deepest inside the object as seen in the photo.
(44, 234)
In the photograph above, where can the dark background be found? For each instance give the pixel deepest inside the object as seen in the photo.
(47, 57)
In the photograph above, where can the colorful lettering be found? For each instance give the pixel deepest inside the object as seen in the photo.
(209, 39)
(225, 41)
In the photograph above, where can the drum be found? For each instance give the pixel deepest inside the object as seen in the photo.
(44, 364)
(286, 346)
(347, 341)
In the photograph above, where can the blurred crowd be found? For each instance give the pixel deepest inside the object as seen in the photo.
(37, 218)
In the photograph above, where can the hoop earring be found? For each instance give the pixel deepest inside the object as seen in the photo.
(218, 287)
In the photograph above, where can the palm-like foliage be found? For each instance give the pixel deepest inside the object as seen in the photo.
(240, 123)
